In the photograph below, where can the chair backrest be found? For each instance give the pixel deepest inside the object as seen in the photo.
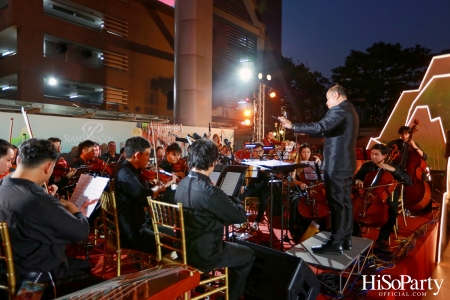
(168, 225)
(7, 255)
(110, 219)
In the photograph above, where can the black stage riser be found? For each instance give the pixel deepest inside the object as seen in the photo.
(277, 275)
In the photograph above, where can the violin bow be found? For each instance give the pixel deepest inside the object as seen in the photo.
(154, 150)
(30, 133)
(11, 129)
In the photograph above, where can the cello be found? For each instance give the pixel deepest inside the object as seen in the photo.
(370, 208)
(418, 195)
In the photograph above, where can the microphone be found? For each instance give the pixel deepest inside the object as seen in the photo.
(196, 136)
(205, 136)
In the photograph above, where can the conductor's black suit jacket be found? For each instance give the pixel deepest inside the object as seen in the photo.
(340, 128)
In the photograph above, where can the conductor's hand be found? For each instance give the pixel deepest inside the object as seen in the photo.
(285, 122)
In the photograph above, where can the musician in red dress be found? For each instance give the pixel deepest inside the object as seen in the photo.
(242, 154)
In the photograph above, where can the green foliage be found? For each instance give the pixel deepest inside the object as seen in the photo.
(307, 91)
(376, 78)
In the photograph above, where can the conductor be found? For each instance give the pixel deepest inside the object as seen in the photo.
(340, 128)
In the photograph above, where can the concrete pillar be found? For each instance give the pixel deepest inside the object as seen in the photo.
(193, 62)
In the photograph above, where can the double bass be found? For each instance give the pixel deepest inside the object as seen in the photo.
(370, 208)
(418, 195)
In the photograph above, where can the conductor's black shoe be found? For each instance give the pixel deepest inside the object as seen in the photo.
(328, 248)
(347, 245)
(382, 246)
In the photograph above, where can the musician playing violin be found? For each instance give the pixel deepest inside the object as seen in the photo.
(6, 157)
(131, 195)
(172, 156)
(60, 181)
(244, 153)
(405, 133)
(160, 154)
(86, 153)
(378, 156)
(14, 162)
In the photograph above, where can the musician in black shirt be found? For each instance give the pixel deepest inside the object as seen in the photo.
(378, 156)
(206, 210)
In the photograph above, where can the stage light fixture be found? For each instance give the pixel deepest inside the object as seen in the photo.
(272, 94)
(247, 113)
(52, 81)
(245, 74)
(247, 122)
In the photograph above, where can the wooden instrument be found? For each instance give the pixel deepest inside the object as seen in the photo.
(370, 208)
(159, 283)
(418, 195)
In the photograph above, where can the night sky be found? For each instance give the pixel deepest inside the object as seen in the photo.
(321, 33)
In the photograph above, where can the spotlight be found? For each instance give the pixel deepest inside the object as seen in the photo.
(272, 94)
(86, 54)
(247, 122)
(61, 47)
(245, 74)
(247, 113)
(52, 81)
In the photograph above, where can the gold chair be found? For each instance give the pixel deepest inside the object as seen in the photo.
(7, 255)
(170, 216)
(113, 255)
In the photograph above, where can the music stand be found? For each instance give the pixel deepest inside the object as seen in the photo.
(274, 167)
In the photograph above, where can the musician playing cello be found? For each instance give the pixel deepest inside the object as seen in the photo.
(378, 156)
(406, 138)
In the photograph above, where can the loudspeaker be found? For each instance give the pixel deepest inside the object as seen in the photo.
(278, 275)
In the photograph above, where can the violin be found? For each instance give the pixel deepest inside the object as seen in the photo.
(61, 168)
(150, 175)
(370, 208)
(180, 167)
(97, 165)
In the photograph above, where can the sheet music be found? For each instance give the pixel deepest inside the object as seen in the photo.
(310, 172)
(230, 182)
(214, 176)
(88, 192)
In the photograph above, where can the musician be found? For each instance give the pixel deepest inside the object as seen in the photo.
(242, 154)
(111, 156)
(296, 222)
(378, 156)
(14, 162)
(222, 148)
(6, 157)
(172, 155)
(39, 224)
(340, 128)
(258, 187)
(86, 153)
(60, 182)
(96, 150)
(160, 154)
(405, 140)
(206, 210)
(131, 196)
(270, 141)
